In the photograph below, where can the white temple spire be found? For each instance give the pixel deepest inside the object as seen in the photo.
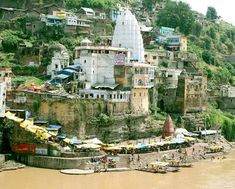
(127, 35)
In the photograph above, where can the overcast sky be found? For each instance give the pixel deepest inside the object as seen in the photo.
(224, 8)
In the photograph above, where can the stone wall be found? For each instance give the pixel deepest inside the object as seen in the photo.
(2, 159)
(227, 103)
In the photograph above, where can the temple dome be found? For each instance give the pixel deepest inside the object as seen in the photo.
(168, 129)
(127, 35)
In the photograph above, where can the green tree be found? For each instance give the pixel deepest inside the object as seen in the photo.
(197, 29)
(212, 33)
(10, 41)
(211, 13)
(176, 14)
(208, 57)
(99, 4)
(227, 129)
(148, 4)
(207, 43)
(230, 47)
(69, 43)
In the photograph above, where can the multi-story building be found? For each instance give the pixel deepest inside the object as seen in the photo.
(191, 94)
(227, 91)
(59, 60)
(5, 76)
(177, 43)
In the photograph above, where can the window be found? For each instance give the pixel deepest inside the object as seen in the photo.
(56, 66)
(139, 94)
(154, 57)
(134, 94)
(84, 61)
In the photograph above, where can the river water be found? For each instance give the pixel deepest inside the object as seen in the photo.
(207, 174)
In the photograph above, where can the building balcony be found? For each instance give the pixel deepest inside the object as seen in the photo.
(142, 81)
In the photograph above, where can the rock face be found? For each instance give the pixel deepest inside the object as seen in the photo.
(87, 117)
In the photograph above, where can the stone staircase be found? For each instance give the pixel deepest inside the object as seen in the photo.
(193, 121)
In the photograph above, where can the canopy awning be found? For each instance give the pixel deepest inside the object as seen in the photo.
(105, 85)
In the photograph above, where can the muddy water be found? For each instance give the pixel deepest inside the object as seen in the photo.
(215, 174)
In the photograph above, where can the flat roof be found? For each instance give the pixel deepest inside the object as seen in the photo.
(207, 132)
(101, 48)
(62, 76)
(105, 85)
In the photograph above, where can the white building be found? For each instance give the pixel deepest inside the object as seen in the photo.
(5, 76)
(97, 62)
(227, 91)
(3, 90)
(127, 35)
(59, 60)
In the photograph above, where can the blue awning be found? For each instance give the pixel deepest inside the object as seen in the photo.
(75, 140)
(141, 146)
(61, 136)
(54, 127)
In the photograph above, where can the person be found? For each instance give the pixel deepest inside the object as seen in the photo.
(138, 158)
(193, 151)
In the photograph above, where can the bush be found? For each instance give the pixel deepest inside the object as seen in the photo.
(208, 57)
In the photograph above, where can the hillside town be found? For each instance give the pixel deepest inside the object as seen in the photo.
(126, 96)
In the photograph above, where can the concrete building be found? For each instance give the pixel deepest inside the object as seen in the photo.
(151, 58)
(166, 31)
(227, 91)
(3, 91)
(86, 12)
(98, 62)
(167, 77)
(5, 76)
(59, 60)
(176, 43)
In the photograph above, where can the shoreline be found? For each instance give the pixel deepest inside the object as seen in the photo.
(195, 153)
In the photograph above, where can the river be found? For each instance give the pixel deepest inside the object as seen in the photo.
(207, 174)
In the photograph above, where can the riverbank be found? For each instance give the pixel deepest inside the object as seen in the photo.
(10, 165)
(194, 153)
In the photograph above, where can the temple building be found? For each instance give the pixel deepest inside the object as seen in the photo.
(127, 35)
(117, 73)
(168, 129)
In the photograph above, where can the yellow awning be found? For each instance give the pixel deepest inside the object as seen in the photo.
(26, 123)
(46, 136)
(32, 128)
(67, 140)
